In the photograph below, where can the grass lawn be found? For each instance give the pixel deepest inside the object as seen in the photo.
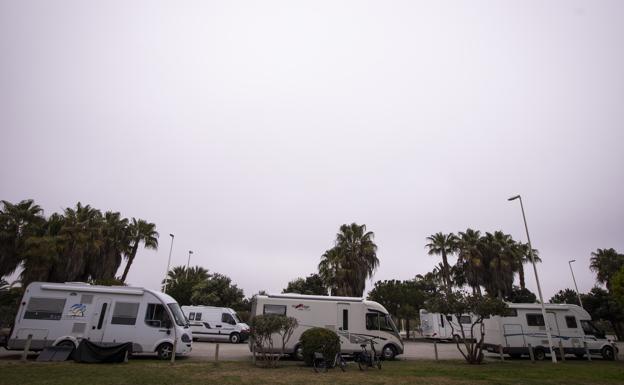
(138, 372)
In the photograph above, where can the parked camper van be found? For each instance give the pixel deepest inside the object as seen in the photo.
(355, 320)
(65, 313)
(569, 324)
(444, 327)
(216, 323)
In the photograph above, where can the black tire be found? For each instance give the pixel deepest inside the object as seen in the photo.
(320, 366)
(608, 353)
(539, 354)
(362, 362)
(164, 351)
(67, 343)
(388, 352)
(234, 338)
(298, 353)
(342, 364)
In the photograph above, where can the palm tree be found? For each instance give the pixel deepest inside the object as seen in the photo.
(140, 231)
(82, 229)
(444, 245)
(498, 249)
(606, 262)
(346, 267)
(115, 237)
(471, 258)
(522, 256)
(17, 223)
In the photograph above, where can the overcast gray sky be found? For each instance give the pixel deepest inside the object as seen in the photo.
(253, 129)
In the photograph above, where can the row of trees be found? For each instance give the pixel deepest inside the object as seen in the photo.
(489, 261)
(79, 244)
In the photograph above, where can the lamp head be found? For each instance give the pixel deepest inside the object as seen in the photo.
(572, 260)
(171, 235)
(513, 198)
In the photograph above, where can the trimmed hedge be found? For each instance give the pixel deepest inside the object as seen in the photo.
(319, 340)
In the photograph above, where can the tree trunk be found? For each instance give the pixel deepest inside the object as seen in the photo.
(447, 279)
(130, 260)
(521, 276)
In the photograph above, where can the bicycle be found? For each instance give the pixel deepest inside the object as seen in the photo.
(368, 359)
(321, 364)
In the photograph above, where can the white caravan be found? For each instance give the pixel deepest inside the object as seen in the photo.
(524, 324)
(355, 320)
(65, 313)
(444, 327)
(216, 323)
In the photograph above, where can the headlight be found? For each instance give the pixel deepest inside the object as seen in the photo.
(186, 338)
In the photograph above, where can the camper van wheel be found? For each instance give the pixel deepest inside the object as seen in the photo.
(234, 338)
(388, 352)
(299, 353)
(164, 351)
(607, 353)
(540, 354)
(67, 343)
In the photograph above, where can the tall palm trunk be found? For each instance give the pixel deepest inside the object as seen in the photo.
(447, 278)
(521, 276)
(130, 260)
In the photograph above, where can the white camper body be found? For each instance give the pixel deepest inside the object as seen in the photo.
(65, 313)
(444, 327)
(355, 320)
(216, 324)
(569, 325)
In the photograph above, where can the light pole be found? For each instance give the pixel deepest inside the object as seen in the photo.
(574, 280)
(168, 264)
(188, 263)
(539, 288)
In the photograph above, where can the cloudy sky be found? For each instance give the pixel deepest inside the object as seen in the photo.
(253, 129)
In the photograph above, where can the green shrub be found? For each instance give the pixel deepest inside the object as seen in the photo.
(265, 330)
(319, 340)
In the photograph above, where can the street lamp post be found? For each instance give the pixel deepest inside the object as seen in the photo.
(574, 280)
(168, 264)
(188, 263)
(539, 288)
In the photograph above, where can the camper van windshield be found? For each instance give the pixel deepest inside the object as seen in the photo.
(235, 316)
(180, 319)
(590, 329)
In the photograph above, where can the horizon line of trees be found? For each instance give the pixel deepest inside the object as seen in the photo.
(79, 244)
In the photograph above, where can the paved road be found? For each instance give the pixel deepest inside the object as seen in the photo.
(205, 351)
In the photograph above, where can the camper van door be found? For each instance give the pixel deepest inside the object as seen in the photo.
(342, 320)
(98, 320)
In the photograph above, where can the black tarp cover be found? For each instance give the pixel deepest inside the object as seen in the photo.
(90, 352)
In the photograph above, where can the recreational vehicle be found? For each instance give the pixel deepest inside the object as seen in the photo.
(355, 320)
(65, 313)
(444, 327)
(216, 323)
(524, 324)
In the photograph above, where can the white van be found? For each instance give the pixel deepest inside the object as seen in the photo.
(216, 323)
(443, 326)
(355, 320)
(65, 313)
(524, 324)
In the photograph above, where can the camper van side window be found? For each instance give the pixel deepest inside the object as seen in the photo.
(535, 319)
(191, 316)
(227, 318)
(198, 316)
(156, 316)
(125, 313)
(372, 321)
(274, 309)
(571, 322)
(50, 309)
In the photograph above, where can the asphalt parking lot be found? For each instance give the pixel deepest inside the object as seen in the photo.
(414, 350)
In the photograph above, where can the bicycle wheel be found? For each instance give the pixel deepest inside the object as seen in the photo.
(341, 362)
(378, 362)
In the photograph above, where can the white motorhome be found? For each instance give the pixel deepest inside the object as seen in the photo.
(524, 324)
(444, 327)
(355, 320)
(216, 324)
(65, 313)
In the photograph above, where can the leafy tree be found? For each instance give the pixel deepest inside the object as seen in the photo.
(17, 223)
(601, 305)
(312, 285)
(144, 232)
(520, 295)
(263, 330)
(181, 282)
(353, 260)
(217, 290)
(443, 245)
(10, 297)
(606, 263)
(565, 296)
(479, 307)
(618, 286)
(470, 259)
